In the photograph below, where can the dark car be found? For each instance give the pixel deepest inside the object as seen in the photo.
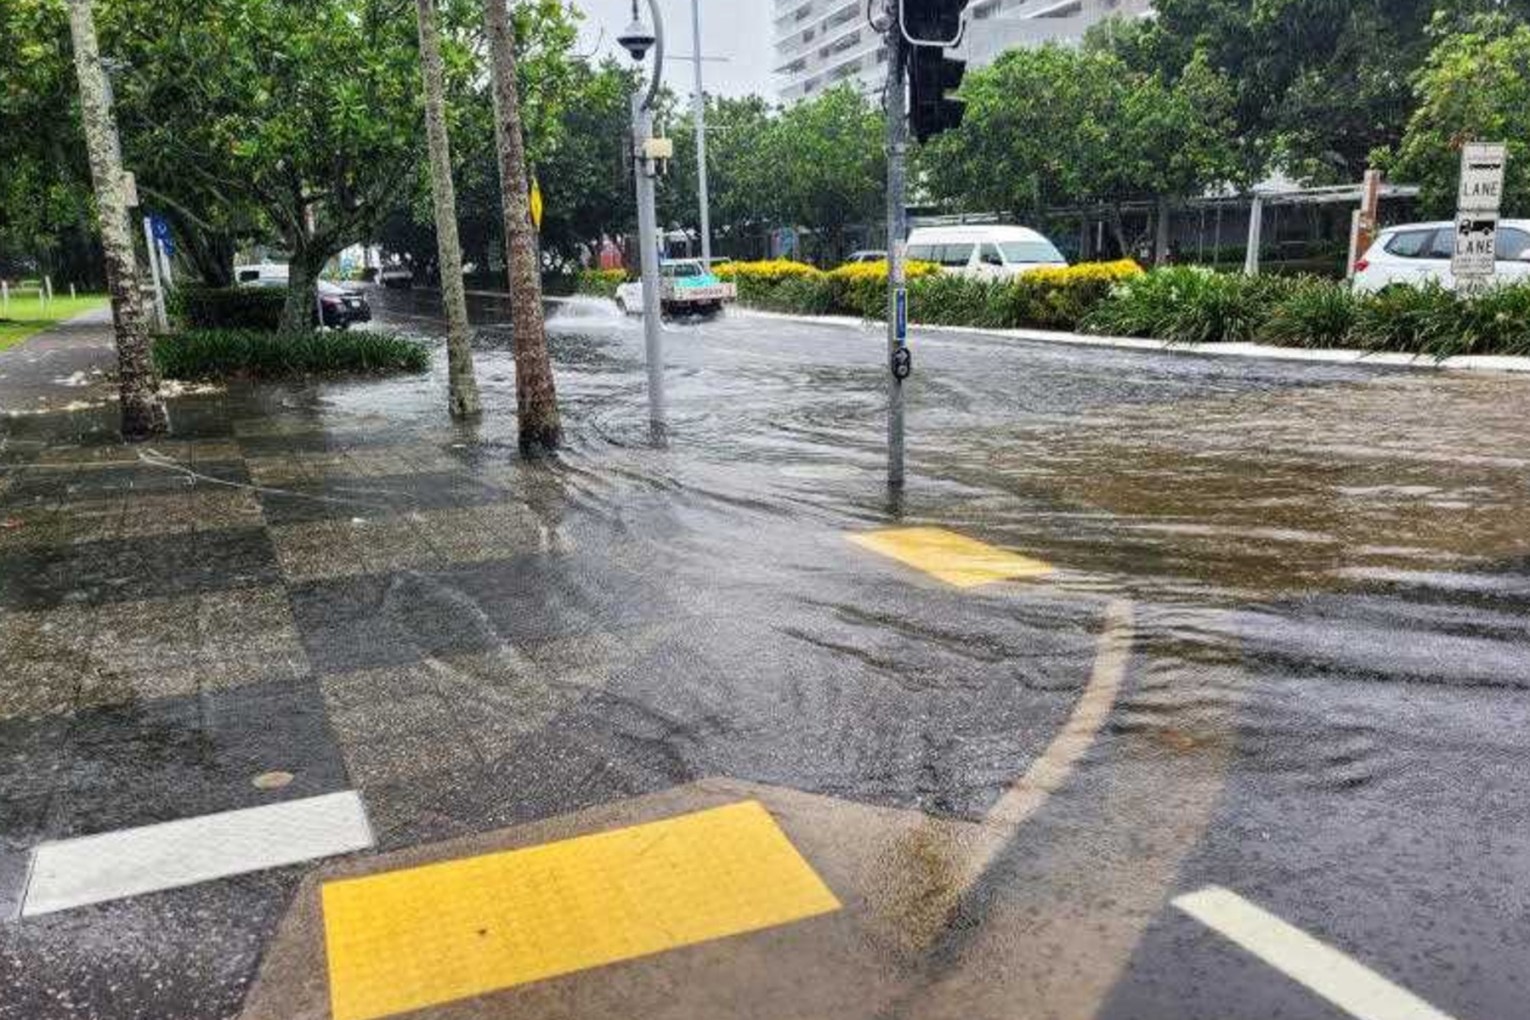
(341, 306)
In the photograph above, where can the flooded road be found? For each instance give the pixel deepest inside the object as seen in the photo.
(1261, 631)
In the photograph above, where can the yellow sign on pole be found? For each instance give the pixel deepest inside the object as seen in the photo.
(536, 203)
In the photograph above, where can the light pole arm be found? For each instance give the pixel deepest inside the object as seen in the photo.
(651, 99)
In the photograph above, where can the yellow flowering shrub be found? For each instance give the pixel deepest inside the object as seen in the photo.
(1085, 272)
(859, 272)
(771, 271)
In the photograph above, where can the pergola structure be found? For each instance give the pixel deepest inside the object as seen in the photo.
(1278, 192)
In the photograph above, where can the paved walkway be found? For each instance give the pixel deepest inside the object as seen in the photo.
(321, 619)
(66, 367)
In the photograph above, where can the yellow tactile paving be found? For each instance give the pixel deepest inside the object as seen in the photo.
(408, 939)
(955, 559)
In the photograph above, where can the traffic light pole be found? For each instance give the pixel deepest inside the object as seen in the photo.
(899, 358)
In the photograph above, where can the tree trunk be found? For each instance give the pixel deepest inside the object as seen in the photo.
(143, 413)
(535, 393)
(462, 386)
(301, 311)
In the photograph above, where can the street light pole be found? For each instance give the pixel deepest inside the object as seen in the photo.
(701, 140)
(900, 358)
(648, 243)
(637, 39)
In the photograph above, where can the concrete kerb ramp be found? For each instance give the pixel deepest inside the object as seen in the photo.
(1047, 938)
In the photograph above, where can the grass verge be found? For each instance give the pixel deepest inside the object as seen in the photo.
(26, 316)
(212, 354)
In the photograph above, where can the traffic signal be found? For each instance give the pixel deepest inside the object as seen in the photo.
(933, 77)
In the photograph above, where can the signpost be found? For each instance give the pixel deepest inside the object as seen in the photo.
(1473, 261)
(163, 249)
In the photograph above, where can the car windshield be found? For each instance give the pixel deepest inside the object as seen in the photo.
(681, 270)
(1029, 252)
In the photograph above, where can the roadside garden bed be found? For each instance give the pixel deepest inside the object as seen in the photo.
(1188, 305)
(205, 354)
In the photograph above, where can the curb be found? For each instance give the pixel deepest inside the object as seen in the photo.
(1381, 359)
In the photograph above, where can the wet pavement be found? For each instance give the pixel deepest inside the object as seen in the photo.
(1282, 650)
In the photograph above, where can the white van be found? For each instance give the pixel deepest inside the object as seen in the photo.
(986, 252)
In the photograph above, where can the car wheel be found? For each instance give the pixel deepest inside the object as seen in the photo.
(621, 306)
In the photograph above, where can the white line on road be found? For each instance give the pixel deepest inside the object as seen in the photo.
(114, 865)
(1353, 987)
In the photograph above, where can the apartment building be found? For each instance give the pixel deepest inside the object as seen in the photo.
(821, 43)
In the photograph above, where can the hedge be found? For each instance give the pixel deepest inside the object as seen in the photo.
(1190, 305)
(201, 354)
(1199, 306)
(201, 307)
(1046, 299)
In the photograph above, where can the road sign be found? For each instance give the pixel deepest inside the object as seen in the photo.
(1476, 244)
(161, 230)
(1482, 166)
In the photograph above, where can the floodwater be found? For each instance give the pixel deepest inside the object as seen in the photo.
(1283, 651)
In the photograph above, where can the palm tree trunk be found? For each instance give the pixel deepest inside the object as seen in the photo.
(143, 412)
(462, 383)
(536, 394)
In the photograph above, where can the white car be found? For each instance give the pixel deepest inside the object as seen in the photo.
(1418, 253)
(266, 274)
(985, 252)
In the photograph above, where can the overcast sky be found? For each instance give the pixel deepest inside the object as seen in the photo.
(736, 29)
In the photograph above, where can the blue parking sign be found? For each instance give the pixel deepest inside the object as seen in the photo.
(161, 230)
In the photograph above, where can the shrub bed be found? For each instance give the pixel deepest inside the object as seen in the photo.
(1182, 304)
(1199, 306)
(202, 307)
(600, 282)
(200, 354)
(1046, 299)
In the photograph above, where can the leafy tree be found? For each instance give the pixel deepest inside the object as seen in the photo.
(586, 179)
(1055, 126)
(1475, 86)
(536, 396)
(47, 222)
(740, 185)
(1318, 84)
(462, 397)
(143, 412)
(822, 163)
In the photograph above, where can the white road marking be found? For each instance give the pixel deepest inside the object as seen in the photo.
(1351, 986)
(114, 865)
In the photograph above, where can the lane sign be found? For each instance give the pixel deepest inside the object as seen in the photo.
(1475, 247)
(1482, 171)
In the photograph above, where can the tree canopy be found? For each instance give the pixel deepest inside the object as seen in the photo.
(1475, 85)
(1090, 132)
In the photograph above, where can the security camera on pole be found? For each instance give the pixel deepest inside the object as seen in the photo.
(920, 80)
(648, 157)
